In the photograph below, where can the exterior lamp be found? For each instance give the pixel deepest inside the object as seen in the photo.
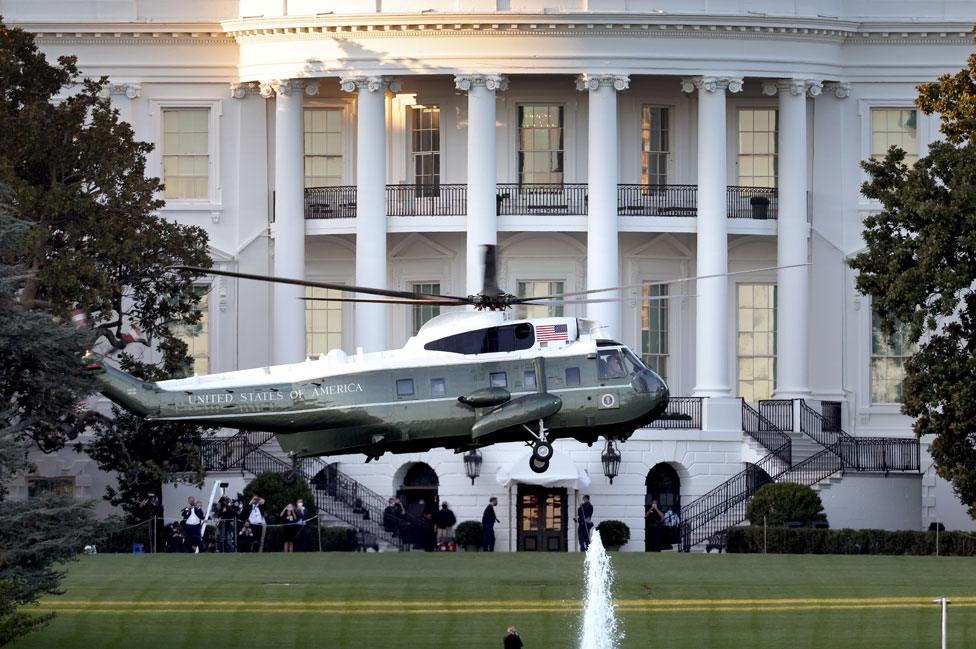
(472, 464)
(611, 461)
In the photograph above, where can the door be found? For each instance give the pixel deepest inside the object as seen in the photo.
(542, 520)
(664, 487)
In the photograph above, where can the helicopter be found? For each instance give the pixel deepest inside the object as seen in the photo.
(467, 379)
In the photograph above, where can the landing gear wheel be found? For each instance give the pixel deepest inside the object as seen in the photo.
(538, 466)
(542, 451)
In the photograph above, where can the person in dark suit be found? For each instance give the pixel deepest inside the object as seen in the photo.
(584, 523)
(488, 520)
(512, 640)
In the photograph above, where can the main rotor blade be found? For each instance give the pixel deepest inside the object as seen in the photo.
(649, 298)
(380, 300)
(338, 287)
(529, 300)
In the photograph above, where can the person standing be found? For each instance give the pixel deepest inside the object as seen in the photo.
(256, 518)
(512, 640)
(488, 520)
(654, 517)
(192, 524)
(444, 521)
(584, 523)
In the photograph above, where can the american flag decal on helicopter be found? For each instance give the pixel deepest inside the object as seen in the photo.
(546, 333)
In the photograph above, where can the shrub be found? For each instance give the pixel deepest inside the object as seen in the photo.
(278, 492)
(469, 533)
(785, 540)
(785, 501)
(613, 533)
(338, 539)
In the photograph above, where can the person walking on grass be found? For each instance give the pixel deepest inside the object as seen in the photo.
(512, 640)
(488, 520)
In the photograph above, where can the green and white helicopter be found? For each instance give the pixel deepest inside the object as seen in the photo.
(468, 379)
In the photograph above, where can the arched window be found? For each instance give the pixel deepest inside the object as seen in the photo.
(418, 491)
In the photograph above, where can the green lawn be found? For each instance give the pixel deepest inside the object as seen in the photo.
(466, 600)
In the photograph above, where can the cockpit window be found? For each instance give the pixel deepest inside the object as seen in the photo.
(613, 364)
(507, 338)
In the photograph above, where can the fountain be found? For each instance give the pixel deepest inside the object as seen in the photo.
(600, 628)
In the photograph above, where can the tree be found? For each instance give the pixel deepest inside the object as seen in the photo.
(79, 178)
(278, 490)
(776, 503)
(919, 267)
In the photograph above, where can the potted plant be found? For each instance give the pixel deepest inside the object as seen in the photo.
(613, 534)
(469, 535)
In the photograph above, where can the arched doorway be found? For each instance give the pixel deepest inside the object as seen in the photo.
(418, 491)
(664, 486)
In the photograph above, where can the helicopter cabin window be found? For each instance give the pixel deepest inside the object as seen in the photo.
(498, 380)
(612, 364)
(506, 338)
(404, 387)
(528, 380)
(197, 336)
(438, 388)
(572, 376)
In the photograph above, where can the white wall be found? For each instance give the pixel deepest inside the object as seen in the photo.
(873, 501)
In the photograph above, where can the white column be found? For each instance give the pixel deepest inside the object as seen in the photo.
(602, 244)
(482, 174)
(793, 284)
(712, 318)
(288, 331)
(371, 246)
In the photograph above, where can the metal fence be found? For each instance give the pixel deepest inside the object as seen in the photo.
(657, 200)
(681, 413)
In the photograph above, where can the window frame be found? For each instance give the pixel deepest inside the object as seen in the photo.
(207, 289)
(522, 311)
(775, 324)
(872, 356)
(61, 479)
(924, 131)
(442, 392)
(345, 151)
(492, 376)
(403, 394)
(344, 315)
(413, 154)
(736, 117)
(643, 156)
(517, 132)
(214, 200)
(665, 319)
(413, 287)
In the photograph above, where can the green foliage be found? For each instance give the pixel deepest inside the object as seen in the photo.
(778, 503)
(36, 535)
(786, 540)
(919, 266)
(469, 533)
(278, 490)
(338, 539)
(613, 533)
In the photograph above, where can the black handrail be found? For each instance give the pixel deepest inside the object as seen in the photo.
(813, 424)
(681, 413)
(657, 200)
(539, 198)
(330, 202)
(768, 434)
(226, 453)
(778, 411)
(752, 202)
(427, 200)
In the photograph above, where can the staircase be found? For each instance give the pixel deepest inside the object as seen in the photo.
(336, 495)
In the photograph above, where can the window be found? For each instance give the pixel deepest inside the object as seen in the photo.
(540, 144)
(438, 388)
(404, 387)
(757, 147)
(756, 345)
(186, 153)
(61, 486)
(507, 338)
(894, 127)
(572, 376)
(323, 147)
(197, 336)
(612, 364)
(528, 380)
(424, 312)
(539, 289)
(426, 148)
(498, 380)
(888, 358)
(654, 328)
(655, 145)
(323, 322)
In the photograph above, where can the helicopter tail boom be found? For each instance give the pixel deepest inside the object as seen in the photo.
(135, 395)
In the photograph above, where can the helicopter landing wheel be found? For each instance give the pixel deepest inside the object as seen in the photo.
(542, 451)
(538, 466)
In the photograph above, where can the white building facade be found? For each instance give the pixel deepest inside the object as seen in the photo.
(598, 143)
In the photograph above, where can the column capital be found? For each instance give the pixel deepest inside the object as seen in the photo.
(840, 89)
(590, 81)
(795, 87)
(371, 83)
(128, 90)
(273, 87)
(711, 84)
(493, 82)
(241, 90)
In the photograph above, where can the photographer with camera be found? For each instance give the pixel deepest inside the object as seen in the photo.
(227, 512)
(256, 519)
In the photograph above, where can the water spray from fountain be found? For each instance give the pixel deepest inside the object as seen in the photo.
(600, 627)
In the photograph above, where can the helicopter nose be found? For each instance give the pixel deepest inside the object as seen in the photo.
(648, 382)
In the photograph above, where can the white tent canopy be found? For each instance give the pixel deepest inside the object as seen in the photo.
(562, 472)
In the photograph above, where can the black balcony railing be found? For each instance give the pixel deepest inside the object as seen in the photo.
(426, 200)
(330, 202)
(768, 434)
(515, 198)
(657, 200)
(752, 202)
(682, 412)
(778, 411)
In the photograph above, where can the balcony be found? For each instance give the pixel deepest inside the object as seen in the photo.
(568, 199)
